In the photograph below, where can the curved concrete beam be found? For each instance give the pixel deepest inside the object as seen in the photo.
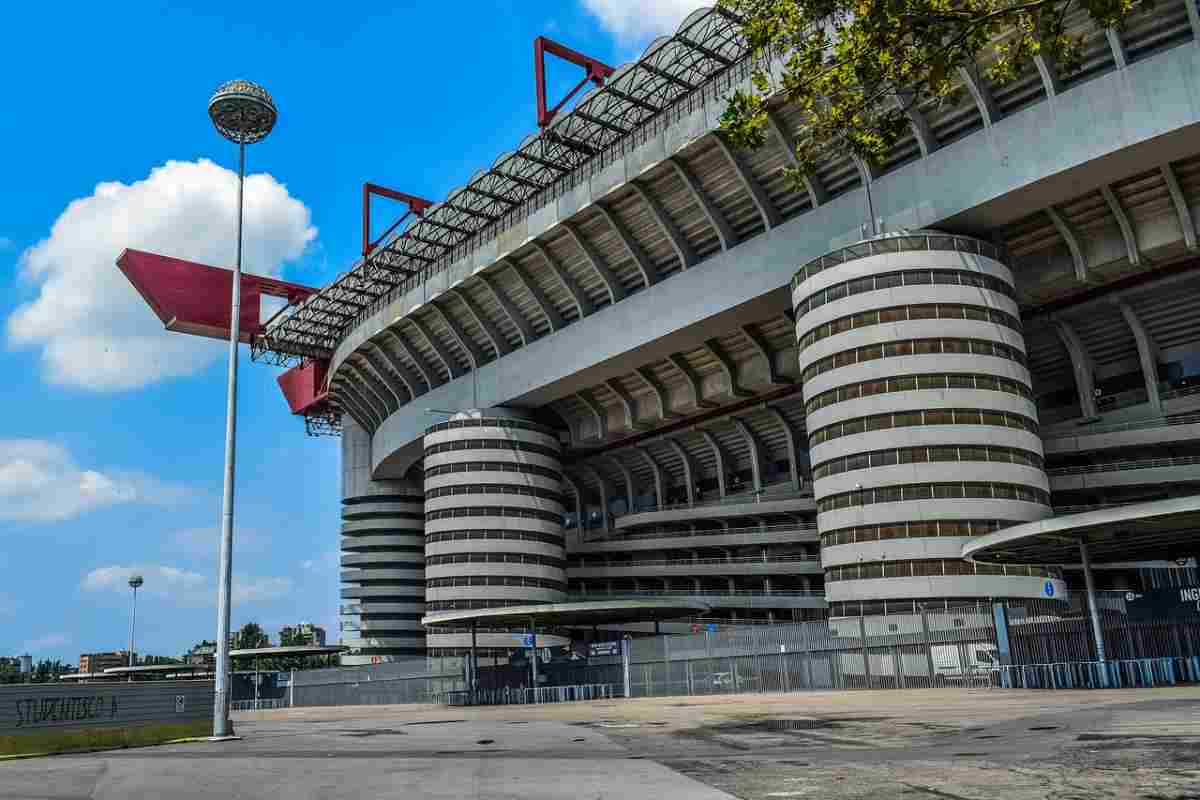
(689, 472)
(660, 392)
(759, 342)
(1067, 231)
(680, 363)
(583, 303)
(981, 94)
(713, 214)
(616, 290)
(422, 367)
(605, 488)
(645, 266)
(497, 340)
(523, 326)
(1148, 355)
(369, 360)
(1081, 365)
(553, 318)
(656, 470)
(407, 376)
(922, 132)
(1049, 73)
(793, 451)
(757, 463)
(439, 349)
(597, 411)
(1186, 224)
(627, 403)
(766, 209)
(465, 342)
(812, 183)
(373, 398)
(1124, 223)
(627, 476)
(719, 456)
(354, 405)
(679, 243)
(1120, 59)
(728, 366)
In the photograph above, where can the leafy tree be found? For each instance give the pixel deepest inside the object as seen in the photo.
(251, 635)
(854, 67)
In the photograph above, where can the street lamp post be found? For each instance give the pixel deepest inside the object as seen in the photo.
(135, 582)
(243, 113)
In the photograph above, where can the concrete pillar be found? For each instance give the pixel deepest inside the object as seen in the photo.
(1147, 355)
(1081, 365)
(1097, 627)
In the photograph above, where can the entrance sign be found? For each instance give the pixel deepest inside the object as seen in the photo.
(1181, 603)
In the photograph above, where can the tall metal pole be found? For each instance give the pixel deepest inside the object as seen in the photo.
(221, 726)
(132, 623)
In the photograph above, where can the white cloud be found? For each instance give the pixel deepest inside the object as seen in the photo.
(92, 328)
(184, 588)
(204, 541)
(47, 642)
(40, 482)
(638, 21)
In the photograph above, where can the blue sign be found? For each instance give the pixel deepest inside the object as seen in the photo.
(712, 627)
(1048, 589)
(527, 639)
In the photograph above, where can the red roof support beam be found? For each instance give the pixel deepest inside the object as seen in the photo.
(595, 71)
(194, 298)
(417, 206)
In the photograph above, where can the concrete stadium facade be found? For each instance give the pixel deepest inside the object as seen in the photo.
(644, 312)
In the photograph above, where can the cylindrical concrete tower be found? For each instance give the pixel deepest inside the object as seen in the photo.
(493, 520)
(921, 421)
(383, 554)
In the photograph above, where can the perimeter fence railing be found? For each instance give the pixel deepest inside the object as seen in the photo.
(1015, 643)
(1048, 644)
(409, 681)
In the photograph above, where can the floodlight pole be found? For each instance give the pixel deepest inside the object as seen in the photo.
(243, 113)
(221, 726)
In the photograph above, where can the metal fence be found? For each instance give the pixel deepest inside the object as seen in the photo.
(1018, 643)
(523, 696)
(409, 681)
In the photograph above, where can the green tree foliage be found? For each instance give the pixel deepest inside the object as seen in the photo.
(855, 67)
(251, 635)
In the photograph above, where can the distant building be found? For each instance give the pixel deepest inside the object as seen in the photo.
(98, 662)
(203, 653)
(303, 634)
(26, 664)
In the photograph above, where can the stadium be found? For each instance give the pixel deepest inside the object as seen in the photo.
(637, 376)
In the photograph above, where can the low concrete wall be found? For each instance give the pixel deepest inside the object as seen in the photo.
(54, 718)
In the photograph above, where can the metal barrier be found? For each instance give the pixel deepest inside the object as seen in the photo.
(527, 696)
(257, 705)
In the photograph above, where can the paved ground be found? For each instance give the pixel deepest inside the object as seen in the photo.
(957, 744)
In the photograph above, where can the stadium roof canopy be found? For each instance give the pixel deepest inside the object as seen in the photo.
(671, 78)
(1159, 530)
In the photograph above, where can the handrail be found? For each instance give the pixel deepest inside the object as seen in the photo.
(688, 562)
(1117, 427)
(1111, 466)
(741, 499)
(800, 527)
(895, 244)
(638, 593)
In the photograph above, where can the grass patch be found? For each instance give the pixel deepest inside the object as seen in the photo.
(48, 742)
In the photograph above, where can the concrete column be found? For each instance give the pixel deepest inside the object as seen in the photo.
(732, 585)
(1147, 355)
(1081, 364)
(766, 585)
(1090, 583)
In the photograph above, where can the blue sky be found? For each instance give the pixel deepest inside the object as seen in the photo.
(111, 444)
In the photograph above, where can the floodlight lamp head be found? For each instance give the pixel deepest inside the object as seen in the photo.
(242, 111)
(135, 581)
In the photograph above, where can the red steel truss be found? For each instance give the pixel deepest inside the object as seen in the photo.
(671, 74)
